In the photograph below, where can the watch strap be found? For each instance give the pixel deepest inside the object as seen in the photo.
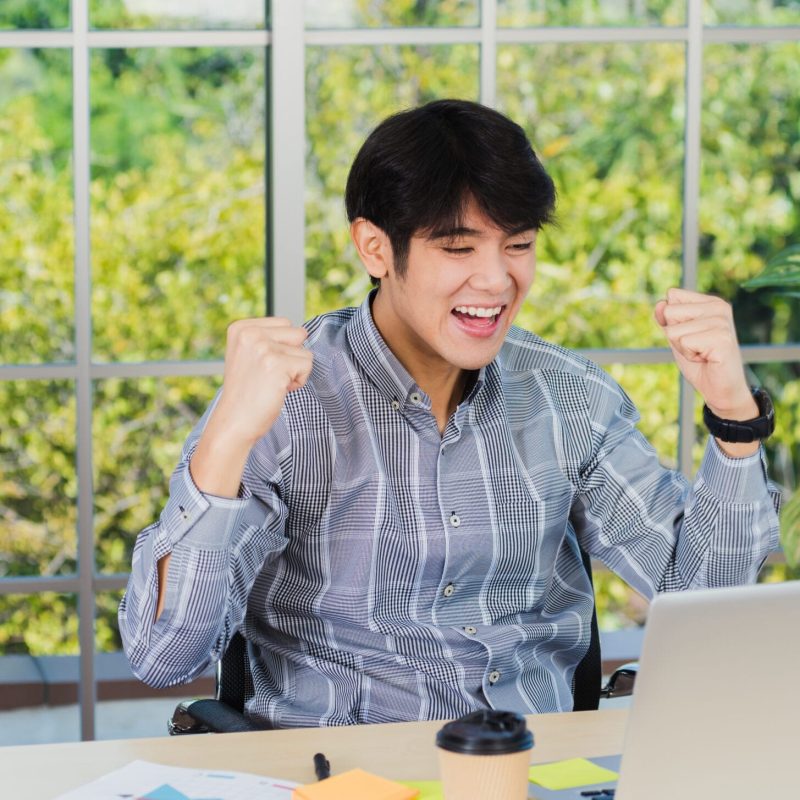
(743, 431)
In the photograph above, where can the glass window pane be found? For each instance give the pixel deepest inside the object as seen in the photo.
(178, 199)
(38, 479)
(750, 189)
(618, 606)
(406, 13)
(34, 14)
(751, 12)
(36, 259)
(106, 628)
(177, 14)
(349, 90)
(655, 390)
(139, 429)
(608, 124)
(517, 13)
(42, 624)
(40, 705)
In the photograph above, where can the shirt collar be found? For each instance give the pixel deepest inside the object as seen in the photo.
(381, 365)
(379, 362)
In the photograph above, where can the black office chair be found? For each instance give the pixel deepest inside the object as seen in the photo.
(225, 713)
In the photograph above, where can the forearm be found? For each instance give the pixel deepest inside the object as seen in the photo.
(220, 457)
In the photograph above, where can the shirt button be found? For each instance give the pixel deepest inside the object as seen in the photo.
(416, 398)
(448, 590)
(454, 520)
(494, 676)
(471, 630)
(395, 405)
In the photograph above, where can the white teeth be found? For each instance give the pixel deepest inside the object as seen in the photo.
(473, 311)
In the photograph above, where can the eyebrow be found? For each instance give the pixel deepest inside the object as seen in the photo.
(456, 232)
(452, 233)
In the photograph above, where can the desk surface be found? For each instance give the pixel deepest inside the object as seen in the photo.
(401, 751)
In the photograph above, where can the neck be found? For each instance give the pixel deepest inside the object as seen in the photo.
(445, 392)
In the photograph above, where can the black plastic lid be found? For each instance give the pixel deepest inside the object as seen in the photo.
(486, 732)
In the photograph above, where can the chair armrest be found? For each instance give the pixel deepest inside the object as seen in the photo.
(622, 681)
(208, 716)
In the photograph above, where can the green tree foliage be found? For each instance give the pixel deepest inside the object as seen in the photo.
(513, 13)
(36, 259)
(34, 14)
(177, 244)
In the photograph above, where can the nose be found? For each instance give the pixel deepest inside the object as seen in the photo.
(491, 274)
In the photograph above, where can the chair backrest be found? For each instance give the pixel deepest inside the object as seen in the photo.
(233, 669)
(233, 673)
(588, 678)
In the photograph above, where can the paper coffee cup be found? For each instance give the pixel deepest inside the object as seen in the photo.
(485, 755)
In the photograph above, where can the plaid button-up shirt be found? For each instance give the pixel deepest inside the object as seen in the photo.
(383, 571)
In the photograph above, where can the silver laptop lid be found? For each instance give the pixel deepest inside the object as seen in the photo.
(716, 709)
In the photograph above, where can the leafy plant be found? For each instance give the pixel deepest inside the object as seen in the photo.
(782, 273)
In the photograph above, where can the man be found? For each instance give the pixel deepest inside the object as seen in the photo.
(390, 502)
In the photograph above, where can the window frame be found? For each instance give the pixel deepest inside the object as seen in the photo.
(286, 41)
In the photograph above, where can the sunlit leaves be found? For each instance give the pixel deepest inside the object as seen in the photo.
(782, 272)
(36, 226)
(178, 200)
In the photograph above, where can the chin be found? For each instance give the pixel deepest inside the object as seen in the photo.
(478, 361)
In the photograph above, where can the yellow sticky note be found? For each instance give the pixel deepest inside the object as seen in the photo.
(428, 790)
(569, 774)
(355, 784)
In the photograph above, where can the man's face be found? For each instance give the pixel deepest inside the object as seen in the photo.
(460, 292)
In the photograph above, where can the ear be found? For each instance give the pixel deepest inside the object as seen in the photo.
(373, 246)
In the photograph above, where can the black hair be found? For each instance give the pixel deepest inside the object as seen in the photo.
(419, 169)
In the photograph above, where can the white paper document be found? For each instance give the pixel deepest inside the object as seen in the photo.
(143, 780)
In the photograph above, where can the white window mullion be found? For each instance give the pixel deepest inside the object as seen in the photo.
(691, 210)
(489, 52)
(83, 356)
(286, 190)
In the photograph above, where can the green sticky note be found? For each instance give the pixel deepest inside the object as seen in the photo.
(569, 774)
(428, 790)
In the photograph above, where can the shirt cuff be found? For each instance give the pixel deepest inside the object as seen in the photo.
(207, 520)
(734, 480)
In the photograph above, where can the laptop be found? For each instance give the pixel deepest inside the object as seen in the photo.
(715, 713)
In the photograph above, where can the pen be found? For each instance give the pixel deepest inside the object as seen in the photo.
(322, 767)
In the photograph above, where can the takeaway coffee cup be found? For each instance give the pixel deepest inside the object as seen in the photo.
(485, 755)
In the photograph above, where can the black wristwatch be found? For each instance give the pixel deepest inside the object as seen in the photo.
(744, 431)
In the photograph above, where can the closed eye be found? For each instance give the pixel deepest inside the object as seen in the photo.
(522, 246)
(458, 251)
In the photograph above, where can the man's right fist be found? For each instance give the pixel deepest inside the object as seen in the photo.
(264, 360)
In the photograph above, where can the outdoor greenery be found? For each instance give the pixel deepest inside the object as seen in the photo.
(178, 220)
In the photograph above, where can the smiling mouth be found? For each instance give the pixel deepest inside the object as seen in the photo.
(478, 316)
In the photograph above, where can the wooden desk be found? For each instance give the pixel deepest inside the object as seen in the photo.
(401, 751)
